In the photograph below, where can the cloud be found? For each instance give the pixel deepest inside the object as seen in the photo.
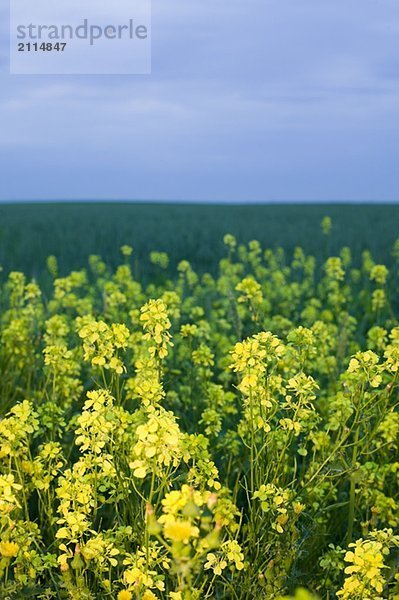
(264, 99)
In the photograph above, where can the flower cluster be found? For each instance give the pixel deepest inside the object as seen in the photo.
(156, 323)
(367, 568)
(158, 446)
(101, 343)
(195, 534)
(242, 460)
(278, 504)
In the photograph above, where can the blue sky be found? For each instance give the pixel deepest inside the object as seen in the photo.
(262, 100)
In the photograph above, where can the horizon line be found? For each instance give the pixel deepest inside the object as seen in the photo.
(195, 202)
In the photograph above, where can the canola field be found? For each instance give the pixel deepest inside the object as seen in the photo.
(231, 434)
(30, 232)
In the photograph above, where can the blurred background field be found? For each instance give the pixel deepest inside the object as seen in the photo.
(73, 231)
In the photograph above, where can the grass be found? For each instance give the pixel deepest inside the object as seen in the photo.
(72, 231)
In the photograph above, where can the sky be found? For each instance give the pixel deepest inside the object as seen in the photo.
(250, 100)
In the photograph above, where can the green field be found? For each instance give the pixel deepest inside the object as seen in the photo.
(72, 231)
(165, 436)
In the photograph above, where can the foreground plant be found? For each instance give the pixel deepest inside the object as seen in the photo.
(230, 437)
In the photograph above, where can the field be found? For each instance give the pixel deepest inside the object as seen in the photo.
(29, 233)
(195, 414)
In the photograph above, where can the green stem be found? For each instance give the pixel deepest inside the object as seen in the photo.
(352, 491)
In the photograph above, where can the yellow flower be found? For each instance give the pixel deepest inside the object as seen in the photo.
(8, 500)
(101, 343)
(139, 469)
(8, 549)
(217, 565)
(125, 595)
(176, 500)
(298, 508)
(149, 595)
(126, 251)
(159, 438)
(234, 553)
(180, 531)
(250, 291)
(156, 323)
(366, 570)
